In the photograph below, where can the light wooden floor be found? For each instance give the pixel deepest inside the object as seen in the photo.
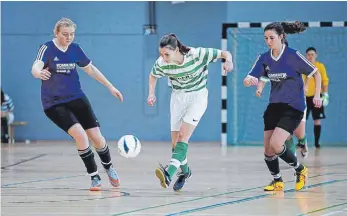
(49, 179)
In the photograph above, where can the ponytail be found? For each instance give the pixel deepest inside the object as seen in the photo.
(172, 42)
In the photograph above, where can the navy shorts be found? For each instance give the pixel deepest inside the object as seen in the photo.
(67, 114)
(283, 116)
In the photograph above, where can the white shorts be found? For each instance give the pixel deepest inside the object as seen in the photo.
(304, 118)
(188, 107)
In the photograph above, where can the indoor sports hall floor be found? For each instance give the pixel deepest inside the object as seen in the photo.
(48, 179)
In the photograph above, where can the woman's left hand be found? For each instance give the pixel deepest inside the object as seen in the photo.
(115, 92)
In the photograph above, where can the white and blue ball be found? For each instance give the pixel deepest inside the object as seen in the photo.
(129, 146)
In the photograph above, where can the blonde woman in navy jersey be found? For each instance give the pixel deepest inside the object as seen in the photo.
(284, 67)
(65, 103)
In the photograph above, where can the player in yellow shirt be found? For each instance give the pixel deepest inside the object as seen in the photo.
(317, 113)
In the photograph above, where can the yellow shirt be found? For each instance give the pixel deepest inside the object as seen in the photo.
(311, 82)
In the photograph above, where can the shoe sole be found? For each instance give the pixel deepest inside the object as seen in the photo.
(160, 175)
(276, 189)
(95, 188)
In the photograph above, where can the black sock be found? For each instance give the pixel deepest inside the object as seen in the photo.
(105, 156)
(87, 156)
(273, 165)
(288, 156)
(317, 129)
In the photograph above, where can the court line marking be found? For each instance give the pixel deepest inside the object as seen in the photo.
(41, 180)
(325, 208)
(335, 212)
(204, 197)
(247, 199)
(121, 194)
(328, 165)
(23, 161)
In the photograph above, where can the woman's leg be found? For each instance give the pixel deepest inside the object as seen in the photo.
(300, 133)
(63, 117)
(271, 160)
(277, 139)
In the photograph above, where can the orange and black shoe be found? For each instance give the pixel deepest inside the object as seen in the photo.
(96, 183)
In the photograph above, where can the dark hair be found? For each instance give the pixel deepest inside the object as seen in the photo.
(171, 41)
(311, 48)
(286, 28)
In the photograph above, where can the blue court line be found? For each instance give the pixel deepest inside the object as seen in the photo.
(322, 209)
(72, 200)
(23, 161)
(248, 199)
(40, 180)
(205, 197)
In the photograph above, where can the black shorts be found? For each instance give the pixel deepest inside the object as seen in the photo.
(317, 113)
(283, 116)
(67, 114)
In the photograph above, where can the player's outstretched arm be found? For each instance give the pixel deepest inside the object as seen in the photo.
(254, 74)
(306, 84)
(260, 88)
(151, 90)
(318, 81)
(94, 72)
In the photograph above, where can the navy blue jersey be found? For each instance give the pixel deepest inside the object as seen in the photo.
(284, 72)
(63, 85)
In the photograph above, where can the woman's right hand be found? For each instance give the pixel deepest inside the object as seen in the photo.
(317, 101)
(151, 99)
(45, 74)
(250, 81)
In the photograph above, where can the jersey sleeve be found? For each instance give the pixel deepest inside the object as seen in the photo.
(157, 71)
(82, 59)
(303, 66)
(209, 54)
(42, 54)
(7, 105)
(257, 69)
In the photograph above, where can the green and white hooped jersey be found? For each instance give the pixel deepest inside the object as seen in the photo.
(191, 75)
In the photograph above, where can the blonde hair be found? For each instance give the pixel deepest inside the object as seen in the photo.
(63, 22)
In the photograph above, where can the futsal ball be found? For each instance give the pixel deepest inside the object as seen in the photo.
(129, 146)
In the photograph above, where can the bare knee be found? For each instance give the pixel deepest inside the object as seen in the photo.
(299, 134)
(276, 145)
(79, 135)
(316, 122)
(268, 151)
(98, 141)
(96, 137)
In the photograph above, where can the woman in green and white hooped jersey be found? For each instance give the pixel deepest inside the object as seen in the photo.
(186, 68)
